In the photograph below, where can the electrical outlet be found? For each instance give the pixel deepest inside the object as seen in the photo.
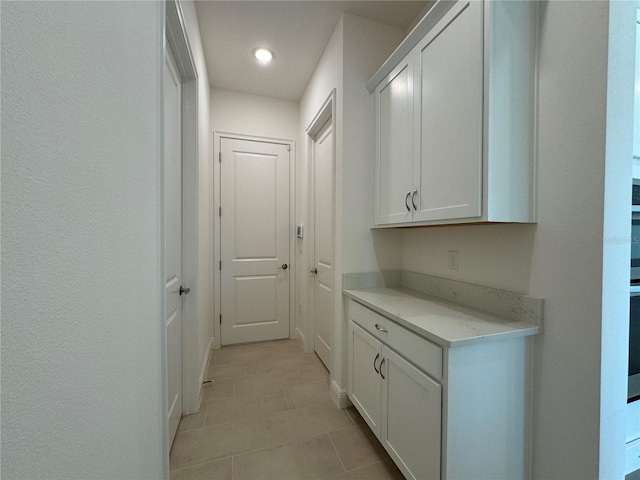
(453, 260)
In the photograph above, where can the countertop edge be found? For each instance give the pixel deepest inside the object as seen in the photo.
(527, 329)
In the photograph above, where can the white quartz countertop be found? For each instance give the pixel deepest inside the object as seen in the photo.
(445, 323)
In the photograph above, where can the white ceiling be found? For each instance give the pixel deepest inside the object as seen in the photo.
(296, 31)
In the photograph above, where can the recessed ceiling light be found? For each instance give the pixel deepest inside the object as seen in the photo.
(263, 55)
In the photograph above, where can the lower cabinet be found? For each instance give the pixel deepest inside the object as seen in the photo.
(442, 413)
(365, 382)
(410, 423)
(399, 402)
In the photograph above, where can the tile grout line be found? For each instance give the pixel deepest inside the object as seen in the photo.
(200, 464)
(369, 464)
(337, 454)
(279, 445)
(343, 429)
(353, 420)
(284, 392)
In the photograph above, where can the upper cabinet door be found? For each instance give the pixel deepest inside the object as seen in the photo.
(449, 116)
(394, 145)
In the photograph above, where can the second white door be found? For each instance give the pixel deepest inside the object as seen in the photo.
(323, 243)
(255, 231)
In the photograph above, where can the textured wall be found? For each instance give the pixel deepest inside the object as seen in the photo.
(81, 281)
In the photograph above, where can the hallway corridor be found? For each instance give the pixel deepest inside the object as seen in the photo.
(268, 415)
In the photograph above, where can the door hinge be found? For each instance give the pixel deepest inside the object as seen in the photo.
(219, 157)
(220, 319)
(288, 148)
(219, 211)
(220, 265)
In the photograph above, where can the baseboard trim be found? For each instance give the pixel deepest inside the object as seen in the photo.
(204, 368)
(339, 395)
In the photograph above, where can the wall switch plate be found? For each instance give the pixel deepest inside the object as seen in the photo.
(453, 260)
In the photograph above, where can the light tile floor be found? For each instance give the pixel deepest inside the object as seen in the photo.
(268, 415)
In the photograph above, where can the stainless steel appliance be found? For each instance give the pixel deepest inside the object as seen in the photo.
(635, 232)
(633, 392)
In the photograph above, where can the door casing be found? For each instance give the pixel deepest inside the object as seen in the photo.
(175, 38)
(172, 204)
(326, 113)
(322, 265)
(217, 201)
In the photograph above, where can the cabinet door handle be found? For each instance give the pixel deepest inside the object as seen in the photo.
(381, 364)
(380, 329)
(374, 363)
(413, 199)
(406, 201)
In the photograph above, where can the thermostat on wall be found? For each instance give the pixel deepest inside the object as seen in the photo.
(300, 231)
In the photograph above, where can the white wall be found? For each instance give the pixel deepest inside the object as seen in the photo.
(326, 78)
(633, 409)
(82, 393)
(616, 255)
(367, 44)
(497, 256)
(243, 113)
(204, 291)
(560, 258)
(357, 48)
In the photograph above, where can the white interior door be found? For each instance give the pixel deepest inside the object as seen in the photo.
(173, 237)
(323, 243)
(254, 241)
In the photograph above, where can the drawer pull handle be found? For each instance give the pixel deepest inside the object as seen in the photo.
(380, 329)
(382, 363)
(374, 363)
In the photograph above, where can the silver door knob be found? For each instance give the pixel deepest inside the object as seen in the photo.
(183, 290)
(314, 271)
(283, 267)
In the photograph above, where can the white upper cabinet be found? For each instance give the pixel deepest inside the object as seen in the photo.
(448, 102)
(394, 145)
(458, 97)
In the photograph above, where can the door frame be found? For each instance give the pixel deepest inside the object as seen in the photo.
(217, 237)
(176, 39)
(326, 113)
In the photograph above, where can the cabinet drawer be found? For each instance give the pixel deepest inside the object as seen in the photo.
(420, 351)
